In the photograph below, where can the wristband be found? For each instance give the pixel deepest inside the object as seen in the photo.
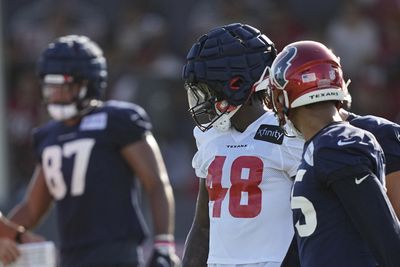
(20, 231)
(164, 243)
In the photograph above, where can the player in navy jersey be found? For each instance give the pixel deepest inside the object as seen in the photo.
(341, 213)
(388, 135)
(89, 157)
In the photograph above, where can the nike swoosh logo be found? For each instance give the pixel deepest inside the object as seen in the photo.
(359, 181)
(343, 143)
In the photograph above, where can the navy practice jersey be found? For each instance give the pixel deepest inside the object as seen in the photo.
(94, 188)
(386, 132)
(326, 233)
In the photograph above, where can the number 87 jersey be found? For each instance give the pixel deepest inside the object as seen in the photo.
(248, 178)
(92, 185)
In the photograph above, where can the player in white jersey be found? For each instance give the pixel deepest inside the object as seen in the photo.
(244, 160)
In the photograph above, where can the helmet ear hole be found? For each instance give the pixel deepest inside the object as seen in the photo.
(235, 83)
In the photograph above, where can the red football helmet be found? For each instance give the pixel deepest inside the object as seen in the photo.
(303, 73)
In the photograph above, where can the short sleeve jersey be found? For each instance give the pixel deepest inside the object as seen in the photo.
(339, 151)
(386, 132)
(94, 188)
(248, 178)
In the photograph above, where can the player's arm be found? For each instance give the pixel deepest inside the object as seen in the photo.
(388, 138)
(145, 159)
(393, 190)
(196, 246)
(33, 207)
(8, 229)
(16, 232)
(366, 204)
(391, 147)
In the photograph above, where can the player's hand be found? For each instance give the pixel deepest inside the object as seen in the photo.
(159, 259)
(29, 237)
(8, 251)
(164, 252)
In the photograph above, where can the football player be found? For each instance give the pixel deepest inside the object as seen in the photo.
(388, 135)
(341, 213)
(244, 161)
(87, 158)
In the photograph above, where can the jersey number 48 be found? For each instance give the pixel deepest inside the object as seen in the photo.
(245, 195)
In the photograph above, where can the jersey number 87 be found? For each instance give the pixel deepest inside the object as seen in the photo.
(52, 163)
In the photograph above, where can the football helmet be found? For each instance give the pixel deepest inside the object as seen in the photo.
(303, 73)
(221, 69)
(71, 60)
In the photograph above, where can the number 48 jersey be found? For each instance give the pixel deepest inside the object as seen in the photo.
(248, 178)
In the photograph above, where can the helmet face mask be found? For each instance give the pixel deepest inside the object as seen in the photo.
(206, 109)
(346, 103)
(201, 104)
(279, 105)
(61, 89)
(62, 95)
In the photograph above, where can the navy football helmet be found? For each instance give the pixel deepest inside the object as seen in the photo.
(221, 69)
(70, 60)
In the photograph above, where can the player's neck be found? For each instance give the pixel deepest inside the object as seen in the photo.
(316, 117)
(344, 114)
(246, 116)
(72, 121)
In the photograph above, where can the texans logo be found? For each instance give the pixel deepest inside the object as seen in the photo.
(282, 65)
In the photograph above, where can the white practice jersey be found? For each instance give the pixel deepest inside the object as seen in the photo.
(248, 180)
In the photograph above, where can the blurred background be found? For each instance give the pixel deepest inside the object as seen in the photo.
(146, 42)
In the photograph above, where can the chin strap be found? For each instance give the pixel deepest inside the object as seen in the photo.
(223, 123)
(291, 131)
